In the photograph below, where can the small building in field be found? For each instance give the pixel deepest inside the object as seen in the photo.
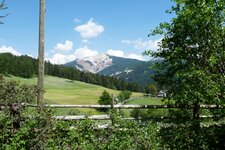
(161, 94)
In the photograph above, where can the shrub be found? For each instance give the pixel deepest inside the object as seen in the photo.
(124, 95)
(105, 99)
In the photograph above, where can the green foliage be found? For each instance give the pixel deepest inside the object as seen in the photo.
(22, 66)
(41, 131)
(151, 89)
(193, 52)
(131, 136)
(105, 99)
(12, 92)
(186, 137)
(193, 71)
(124, 95)
(138, 114)
(33, 132)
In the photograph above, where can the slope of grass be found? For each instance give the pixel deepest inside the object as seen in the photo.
(65, 91)
(146, 101)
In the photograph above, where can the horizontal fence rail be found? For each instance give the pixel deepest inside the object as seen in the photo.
(128, 106)
(108, 117)
(121, 106)
(83, 117)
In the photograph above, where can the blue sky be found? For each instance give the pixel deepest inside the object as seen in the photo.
(80, 28)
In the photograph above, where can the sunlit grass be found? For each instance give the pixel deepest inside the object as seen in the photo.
(65, 91)
(146, 101)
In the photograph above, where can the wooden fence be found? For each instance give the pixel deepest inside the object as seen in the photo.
(108, 117)
(121, 106)
(128, 106)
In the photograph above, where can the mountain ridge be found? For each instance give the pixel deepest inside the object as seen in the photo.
(130, 70)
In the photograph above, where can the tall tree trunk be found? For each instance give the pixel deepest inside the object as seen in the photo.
(40, 97)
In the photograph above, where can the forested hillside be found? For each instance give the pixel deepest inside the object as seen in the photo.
(130, 70)
(27, 67)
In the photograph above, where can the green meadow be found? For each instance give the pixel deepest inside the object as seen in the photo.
(146, 101)
(65, 91)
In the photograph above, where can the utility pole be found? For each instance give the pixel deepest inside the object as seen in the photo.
(41, 69)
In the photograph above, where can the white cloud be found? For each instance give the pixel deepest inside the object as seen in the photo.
(76, 20)
(79, 53)
(85, 52)
(120, 53)
(64, 47)
(135, 56)
(117, 53)
(9, 49)
(126, 41)
(89, 30)
(85, 42)
(61, 59)
(143, 45)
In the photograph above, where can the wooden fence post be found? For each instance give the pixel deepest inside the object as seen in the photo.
(41, 61)
(112, 111)
(113, 101)
(196, 117)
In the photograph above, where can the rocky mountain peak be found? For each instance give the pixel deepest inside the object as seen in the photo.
(94, 64)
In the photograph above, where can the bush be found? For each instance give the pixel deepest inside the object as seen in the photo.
(105, 99)
(151, 89)
(43, 132)
(124, 95)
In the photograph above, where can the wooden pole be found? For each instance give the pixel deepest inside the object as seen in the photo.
(40, 97)
(112, 111)
(113, 101)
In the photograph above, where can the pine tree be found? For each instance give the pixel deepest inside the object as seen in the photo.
(105, 99)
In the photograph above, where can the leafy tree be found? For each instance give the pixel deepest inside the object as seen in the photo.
(151, 89)
(124, 95)
(193, 67)
(193, 52)
(105, 99)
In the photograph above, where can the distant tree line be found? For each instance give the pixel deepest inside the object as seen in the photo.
(27, 67)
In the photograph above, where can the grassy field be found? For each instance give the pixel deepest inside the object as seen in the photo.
(146, 101)
(65, 91)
